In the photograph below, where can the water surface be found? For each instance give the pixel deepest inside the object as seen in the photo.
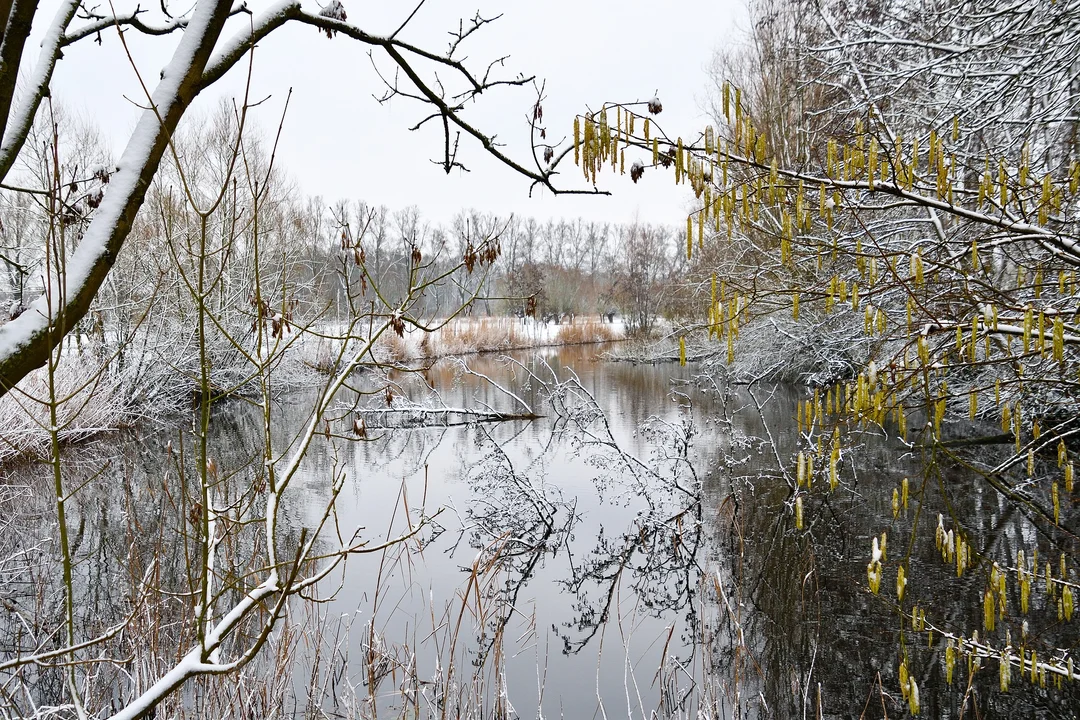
(632, 553)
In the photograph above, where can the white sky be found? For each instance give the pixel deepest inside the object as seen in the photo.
(339, 143)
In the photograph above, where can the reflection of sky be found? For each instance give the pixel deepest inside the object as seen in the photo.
(628, 395)
(805, 609)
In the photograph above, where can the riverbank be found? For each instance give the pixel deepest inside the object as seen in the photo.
(96, 394)
(470, 336)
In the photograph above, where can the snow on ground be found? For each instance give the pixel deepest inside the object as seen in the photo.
(103, 398)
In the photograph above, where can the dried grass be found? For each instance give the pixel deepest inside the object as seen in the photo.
(320, 354)
(588, 331)
(389, 347)
(94, 400)
(484, 335)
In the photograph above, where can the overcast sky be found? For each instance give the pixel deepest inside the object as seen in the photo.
(338, 142)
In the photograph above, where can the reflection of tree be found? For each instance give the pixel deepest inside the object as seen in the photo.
(134, 551)
(800, 627)
(517, 519)
(658, 557)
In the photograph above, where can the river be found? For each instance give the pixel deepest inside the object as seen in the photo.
(634, 552)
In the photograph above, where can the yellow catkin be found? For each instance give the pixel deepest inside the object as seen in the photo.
(577, 141)
(680, 169)
(1003, 186)
(834, 463)
(1059, 339)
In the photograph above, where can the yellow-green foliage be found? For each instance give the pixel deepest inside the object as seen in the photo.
(959, 276)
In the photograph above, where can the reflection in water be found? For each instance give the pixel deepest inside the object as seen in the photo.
(632, 552)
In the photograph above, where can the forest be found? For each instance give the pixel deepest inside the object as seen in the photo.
(807, 450)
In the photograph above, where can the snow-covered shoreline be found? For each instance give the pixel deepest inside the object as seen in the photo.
(107, 399)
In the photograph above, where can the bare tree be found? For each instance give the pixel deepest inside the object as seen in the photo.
(202, 57)
(224, 289)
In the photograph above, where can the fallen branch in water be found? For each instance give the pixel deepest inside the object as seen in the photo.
(441, 417)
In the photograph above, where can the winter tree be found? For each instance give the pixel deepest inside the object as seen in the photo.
(230, 275)
(886, 211)
(210, 46)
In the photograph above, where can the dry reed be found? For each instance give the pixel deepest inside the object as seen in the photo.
(589, 331)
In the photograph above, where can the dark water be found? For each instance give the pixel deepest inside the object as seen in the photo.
(633, 553)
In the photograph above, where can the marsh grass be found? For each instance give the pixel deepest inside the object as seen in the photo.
(587, 331)
(484, 335)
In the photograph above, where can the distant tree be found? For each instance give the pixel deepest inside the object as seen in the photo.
(526, 287)
(642, 276)
(201, 58)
